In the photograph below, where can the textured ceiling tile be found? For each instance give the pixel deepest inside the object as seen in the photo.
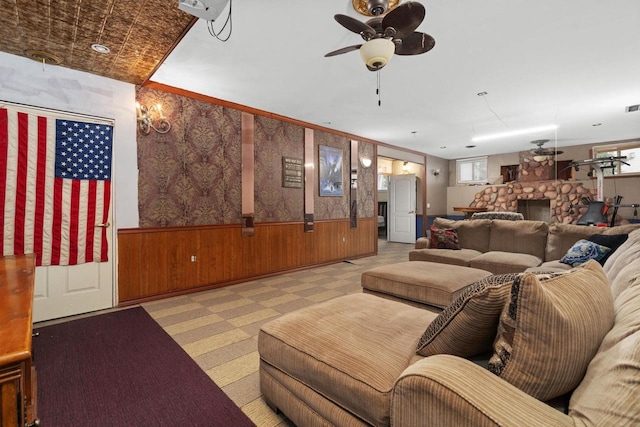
(139, 34)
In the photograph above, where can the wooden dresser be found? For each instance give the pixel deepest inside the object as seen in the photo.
(17, 373)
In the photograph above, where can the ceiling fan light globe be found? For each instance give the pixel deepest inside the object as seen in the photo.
(376, 53)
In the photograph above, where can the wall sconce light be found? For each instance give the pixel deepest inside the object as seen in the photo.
(146, 122)
(365, 162)
(436, 172)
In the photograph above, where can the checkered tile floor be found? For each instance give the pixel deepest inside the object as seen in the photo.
(219, 328)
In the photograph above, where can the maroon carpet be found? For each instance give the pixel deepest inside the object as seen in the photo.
(122, 369)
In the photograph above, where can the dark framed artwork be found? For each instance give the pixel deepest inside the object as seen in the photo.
(330, 171)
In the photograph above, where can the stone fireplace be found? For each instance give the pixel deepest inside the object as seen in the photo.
(554, 196)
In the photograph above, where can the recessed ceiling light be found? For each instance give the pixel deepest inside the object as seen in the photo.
(632, 108)
(470, 146)
(482, 93)
(597, 124)
(443, 147)
(100, 48)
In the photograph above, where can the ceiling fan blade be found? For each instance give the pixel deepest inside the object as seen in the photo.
(344, 50)
(404, 18)
(356, 26)
(415, 44)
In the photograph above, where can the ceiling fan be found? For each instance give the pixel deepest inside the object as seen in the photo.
(541, 151)
(385, 35)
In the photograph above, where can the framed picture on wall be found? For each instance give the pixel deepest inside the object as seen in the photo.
(330, 171)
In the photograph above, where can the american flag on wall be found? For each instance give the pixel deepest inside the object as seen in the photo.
(55, 186)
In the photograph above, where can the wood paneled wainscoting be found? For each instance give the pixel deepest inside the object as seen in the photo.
(158, 262)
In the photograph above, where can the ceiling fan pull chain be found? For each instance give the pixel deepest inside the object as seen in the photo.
(378, 89)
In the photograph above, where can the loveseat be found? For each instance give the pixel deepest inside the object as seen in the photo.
(363, 360)
(504, 246)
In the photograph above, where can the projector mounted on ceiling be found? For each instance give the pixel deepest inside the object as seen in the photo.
(208, 10)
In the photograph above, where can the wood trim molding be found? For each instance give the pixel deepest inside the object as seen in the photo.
(309, 180)
(248, 174)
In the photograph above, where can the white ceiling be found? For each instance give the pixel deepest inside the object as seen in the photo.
(571, 62)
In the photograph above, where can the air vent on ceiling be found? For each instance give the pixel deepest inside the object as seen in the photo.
(632, 108)
(43, 57)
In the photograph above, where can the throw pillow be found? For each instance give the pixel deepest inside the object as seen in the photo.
(551, 329)
(613, 242)
(468, 326)
(444, 238)
(582, 251)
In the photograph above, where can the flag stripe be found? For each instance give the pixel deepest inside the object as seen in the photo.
(4, 152)
(40, 184)
(106, 194)
(56, 227)
(91, 220)
(21, 183)
(73, 222)
(10, 197)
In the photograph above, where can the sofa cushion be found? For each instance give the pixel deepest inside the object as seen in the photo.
(626, 269)
(562, 236)
(443, 238)
(444, 256)
(608, 394)
(549, 266)
(423, 243)
(425, 282)
(629, 250)
(611, 241)
(526, 237)
(334, 349)
(471, 234)
(582, 251)
(622, 229)
(550, 330)
(468, 325)
(504, 262)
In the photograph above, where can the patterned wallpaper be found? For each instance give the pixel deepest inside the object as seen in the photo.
(274, 139)
(367, 181)
(192, 174)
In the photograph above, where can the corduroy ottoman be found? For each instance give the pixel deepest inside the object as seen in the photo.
(420, 283)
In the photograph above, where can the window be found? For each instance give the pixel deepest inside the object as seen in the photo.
(629, 150)
(472, 171)
(383, 182)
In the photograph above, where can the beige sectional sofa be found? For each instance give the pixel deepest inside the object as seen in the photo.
(503, 246)
(362, 360)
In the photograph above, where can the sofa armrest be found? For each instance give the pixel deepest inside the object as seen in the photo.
(446, 390)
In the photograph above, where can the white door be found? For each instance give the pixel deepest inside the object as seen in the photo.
(62, 291)
(402, 208)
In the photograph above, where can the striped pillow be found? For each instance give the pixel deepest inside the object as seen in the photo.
(550, 330)
(468, 325)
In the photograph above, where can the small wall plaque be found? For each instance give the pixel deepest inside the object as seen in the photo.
(292, 172)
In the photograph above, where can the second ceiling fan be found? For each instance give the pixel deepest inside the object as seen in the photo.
(393, 33)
